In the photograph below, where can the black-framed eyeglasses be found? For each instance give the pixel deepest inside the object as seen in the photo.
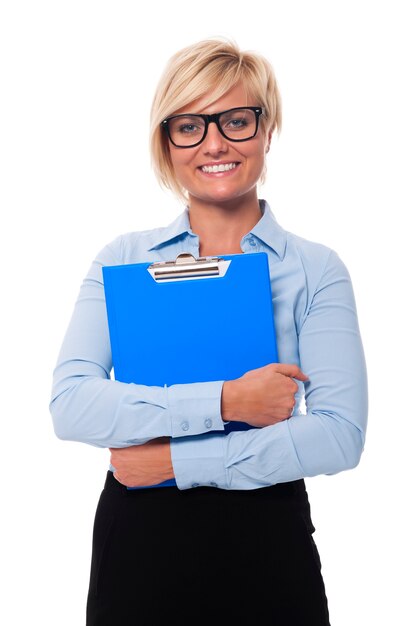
(188, 129)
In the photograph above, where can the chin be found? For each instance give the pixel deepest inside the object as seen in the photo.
(219, 198)
(220, 195)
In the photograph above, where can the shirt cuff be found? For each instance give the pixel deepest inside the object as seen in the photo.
(199, 461)
(195, 408)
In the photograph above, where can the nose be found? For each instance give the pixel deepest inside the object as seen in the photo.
(214, 142)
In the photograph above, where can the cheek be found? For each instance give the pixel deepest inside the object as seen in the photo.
(258, 159)
(181, 158)
(256, 152)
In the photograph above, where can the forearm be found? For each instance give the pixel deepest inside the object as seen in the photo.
(302, 446)
(107, 413)
(143, 466)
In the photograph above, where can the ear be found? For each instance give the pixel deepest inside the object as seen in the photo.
(268, 144)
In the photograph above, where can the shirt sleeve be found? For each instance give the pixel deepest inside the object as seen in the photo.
(88, 406)
(328, 438)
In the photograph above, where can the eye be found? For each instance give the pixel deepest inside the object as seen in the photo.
(239, 122)
(187, 125)
(188, 129)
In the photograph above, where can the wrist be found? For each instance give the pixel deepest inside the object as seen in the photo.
(228, 401)
(170, 468)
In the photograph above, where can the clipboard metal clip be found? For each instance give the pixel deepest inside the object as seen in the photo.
(187, 266)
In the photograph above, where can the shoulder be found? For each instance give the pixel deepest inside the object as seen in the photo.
(289, 246)
(322, 267)
(135, 245)
(309, 259)
(317, 258)
(140, 246)
(308, 248)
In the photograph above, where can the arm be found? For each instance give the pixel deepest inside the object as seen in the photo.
(87, 406)
(260, 397)
(329, 438)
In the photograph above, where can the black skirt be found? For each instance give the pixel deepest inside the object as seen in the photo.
(205, 556)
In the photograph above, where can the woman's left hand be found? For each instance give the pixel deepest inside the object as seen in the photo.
(144, 465)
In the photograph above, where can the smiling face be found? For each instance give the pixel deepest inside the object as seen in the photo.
(219, 170)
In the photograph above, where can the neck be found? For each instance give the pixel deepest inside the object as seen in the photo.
(221, 226)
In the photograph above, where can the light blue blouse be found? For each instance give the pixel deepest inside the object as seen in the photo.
(316, 327)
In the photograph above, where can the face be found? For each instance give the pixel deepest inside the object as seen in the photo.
(192, 165)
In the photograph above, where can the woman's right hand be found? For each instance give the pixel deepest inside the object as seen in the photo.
(263, 396)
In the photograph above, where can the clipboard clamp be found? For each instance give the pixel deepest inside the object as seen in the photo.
(187, 266)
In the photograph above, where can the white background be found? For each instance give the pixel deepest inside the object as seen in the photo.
(77, 79)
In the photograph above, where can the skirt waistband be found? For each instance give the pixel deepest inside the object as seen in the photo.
(294, 489)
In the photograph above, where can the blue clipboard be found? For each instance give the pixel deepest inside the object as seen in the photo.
(190, 320)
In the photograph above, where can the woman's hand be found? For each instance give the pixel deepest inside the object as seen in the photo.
(263, 396)
(140, 466)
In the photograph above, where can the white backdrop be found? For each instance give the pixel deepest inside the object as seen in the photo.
(77, 78)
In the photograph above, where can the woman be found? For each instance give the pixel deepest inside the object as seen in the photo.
(233, 543)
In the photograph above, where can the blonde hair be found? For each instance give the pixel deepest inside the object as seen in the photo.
(209, 69)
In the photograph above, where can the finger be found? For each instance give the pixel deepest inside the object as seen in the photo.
(290, 369)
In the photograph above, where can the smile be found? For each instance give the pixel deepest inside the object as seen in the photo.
(222, 167)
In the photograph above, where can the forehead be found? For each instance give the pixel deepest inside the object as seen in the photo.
(237, 96)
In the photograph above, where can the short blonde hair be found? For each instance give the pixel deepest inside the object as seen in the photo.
(208, 68)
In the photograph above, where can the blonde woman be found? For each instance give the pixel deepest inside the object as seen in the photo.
(232, 541)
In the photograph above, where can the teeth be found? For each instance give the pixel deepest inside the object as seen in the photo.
(223, 167)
